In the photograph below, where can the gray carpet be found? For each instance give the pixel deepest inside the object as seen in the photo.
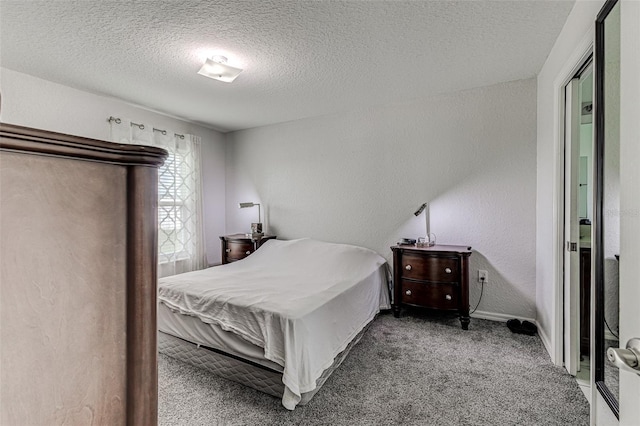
(415, 370)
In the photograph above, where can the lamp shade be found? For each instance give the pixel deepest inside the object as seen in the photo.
(420, 209)
(219, 71)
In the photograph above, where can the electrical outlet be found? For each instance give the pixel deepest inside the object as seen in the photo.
(483, 276)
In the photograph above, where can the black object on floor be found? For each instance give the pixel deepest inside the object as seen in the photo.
(514, 325)
(524, 327)
(528, 328)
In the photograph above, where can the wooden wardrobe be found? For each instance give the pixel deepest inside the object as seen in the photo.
(78, 259)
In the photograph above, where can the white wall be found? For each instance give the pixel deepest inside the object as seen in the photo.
(564, 55)
(33, 102)
(358, 177)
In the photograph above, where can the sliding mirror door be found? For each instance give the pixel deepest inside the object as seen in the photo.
(607, 205)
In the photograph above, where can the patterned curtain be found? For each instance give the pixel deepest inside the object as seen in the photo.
(180, 218)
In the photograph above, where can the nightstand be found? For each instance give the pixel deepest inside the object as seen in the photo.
(239, 246)
(435, 277)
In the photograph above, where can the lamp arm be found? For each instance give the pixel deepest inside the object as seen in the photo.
(426, 218)
(259, 221)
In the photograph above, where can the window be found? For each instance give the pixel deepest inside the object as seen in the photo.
(176, 206)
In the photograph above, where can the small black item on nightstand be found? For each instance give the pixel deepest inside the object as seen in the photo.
(239, 246)
(435, 277)
(407, 242)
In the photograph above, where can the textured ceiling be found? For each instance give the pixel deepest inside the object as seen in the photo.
(300, 58)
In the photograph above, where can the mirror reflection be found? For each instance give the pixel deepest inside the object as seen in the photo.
(585, 166)
(585, 215)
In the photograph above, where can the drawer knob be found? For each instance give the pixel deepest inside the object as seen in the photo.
(408, 292)
(448, 297)
(248, 252)
(447, 270)
(228, 250)
(408, 267)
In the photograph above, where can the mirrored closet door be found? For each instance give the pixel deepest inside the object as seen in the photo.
(607, 203)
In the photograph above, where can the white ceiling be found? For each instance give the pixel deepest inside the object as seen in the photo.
(300, 58)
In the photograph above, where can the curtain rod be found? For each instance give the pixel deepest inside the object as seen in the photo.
(141, 126)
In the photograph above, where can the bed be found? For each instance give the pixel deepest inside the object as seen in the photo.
(281, 320)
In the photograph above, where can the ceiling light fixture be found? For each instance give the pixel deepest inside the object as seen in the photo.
(216, 67)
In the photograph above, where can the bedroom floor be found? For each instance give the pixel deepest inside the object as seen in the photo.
(415, 370)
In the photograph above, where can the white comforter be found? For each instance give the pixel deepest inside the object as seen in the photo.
(303, 301)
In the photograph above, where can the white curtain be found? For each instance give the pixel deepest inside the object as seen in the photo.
(181, 245)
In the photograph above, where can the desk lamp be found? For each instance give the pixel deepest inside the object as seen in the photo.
(256, 227)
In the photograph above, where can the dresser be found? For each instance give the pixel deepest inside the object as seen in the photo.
(239, 246)
(78, 280)
(435, 277)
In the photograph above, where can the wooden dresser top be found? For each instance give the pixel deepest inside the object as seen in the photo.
(438, 248)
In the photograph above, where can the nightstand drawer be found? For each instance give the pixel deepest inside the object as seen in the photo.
(430, 268)
(237, 250)
(432, 295)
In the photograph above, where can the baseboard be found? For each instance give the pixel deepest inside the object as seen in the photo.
(494, 316)
(546, 342)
